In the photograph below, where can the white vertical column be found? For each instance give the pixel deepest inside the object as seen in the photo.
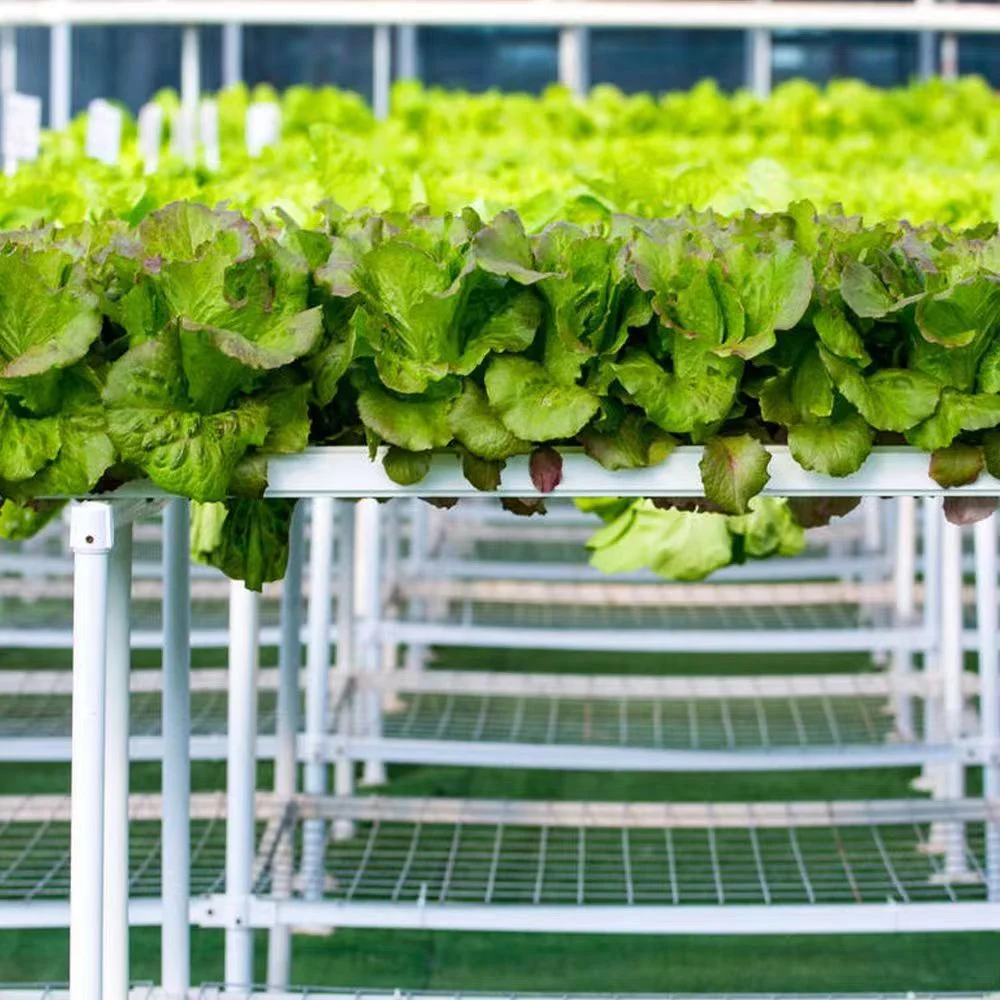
(952, 670)
(317, 687)
(232, 54)
(279, 946)
(574, 60)
(244, 634)
(949, 55)
(390, 569)
(905, 572)
(116, 768)
(933, 718)
(60, 76)
(926, 49)
(343, 768)
(989, 689)
(419, 550)
(175, 934)
(759, 62)
(91, 539)
(190, 90)
(8, 60)
(381, 70)
(368, 610)
(407, 52)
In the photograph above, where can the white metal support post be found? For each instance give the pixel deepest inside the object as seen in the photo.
(905, 571)
(926, 49)
(279, 946)
(232, 54)
(343, 767)
(407, 52)
(759, 60)
(368, 604)
(381, 70)
(91, 539)
(317, 687)
(60, 76)
(953, 700)
(241, 768)
(419, 548)
(176, 709)
(8, 60)
(574, 60)
(116, 768)
(949, 54)
(989, 688)
(190, 92)
(932, 517)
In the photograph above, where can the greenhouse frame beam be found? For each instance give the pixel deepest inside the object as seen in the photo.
(743, 919)
(971, 18)
(348, 472)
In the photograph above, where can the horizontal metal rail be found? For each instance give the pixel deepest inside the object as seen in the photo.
(966, 18)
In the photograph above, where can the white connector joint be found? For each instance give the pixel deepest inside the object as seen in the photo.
(91, 527)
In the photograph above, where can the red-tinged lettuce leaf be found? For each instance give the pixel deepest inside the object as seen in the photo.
(968, 510)
(957, 465)
(817, 512)
(523, 506)
(546, 469)
(733, 471)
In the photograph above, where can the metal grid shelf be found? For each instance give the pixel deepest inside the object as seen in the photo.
(229, 991)
(580, 722)
(458, 852)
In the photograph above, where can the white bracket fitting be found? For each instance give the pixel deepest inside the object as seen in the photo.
(92, 527)
(231, 912)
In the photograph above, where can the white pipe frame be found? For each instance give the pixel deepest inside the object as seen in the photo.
(60, 76)
(92, 533)
(190, 92)
(905, 572)
(381, 70)
(244, 617)
(805, 15)
(574, 60)
(989, 691)
(232, 54)
(953, 700)
(176, 710)
(368, 610)
(115, 955)
(279, 948)
(343, 766)
(321, 547)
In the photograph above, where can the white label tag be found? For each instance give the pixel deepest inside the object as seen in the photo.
(150, 135)
(208, 122)
(182, 135)
(263, 126)
(22, 128)
(104, 132)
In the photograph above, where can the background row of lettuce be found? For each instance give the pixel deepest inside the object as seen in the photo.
(191, 347)
(928, 152)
